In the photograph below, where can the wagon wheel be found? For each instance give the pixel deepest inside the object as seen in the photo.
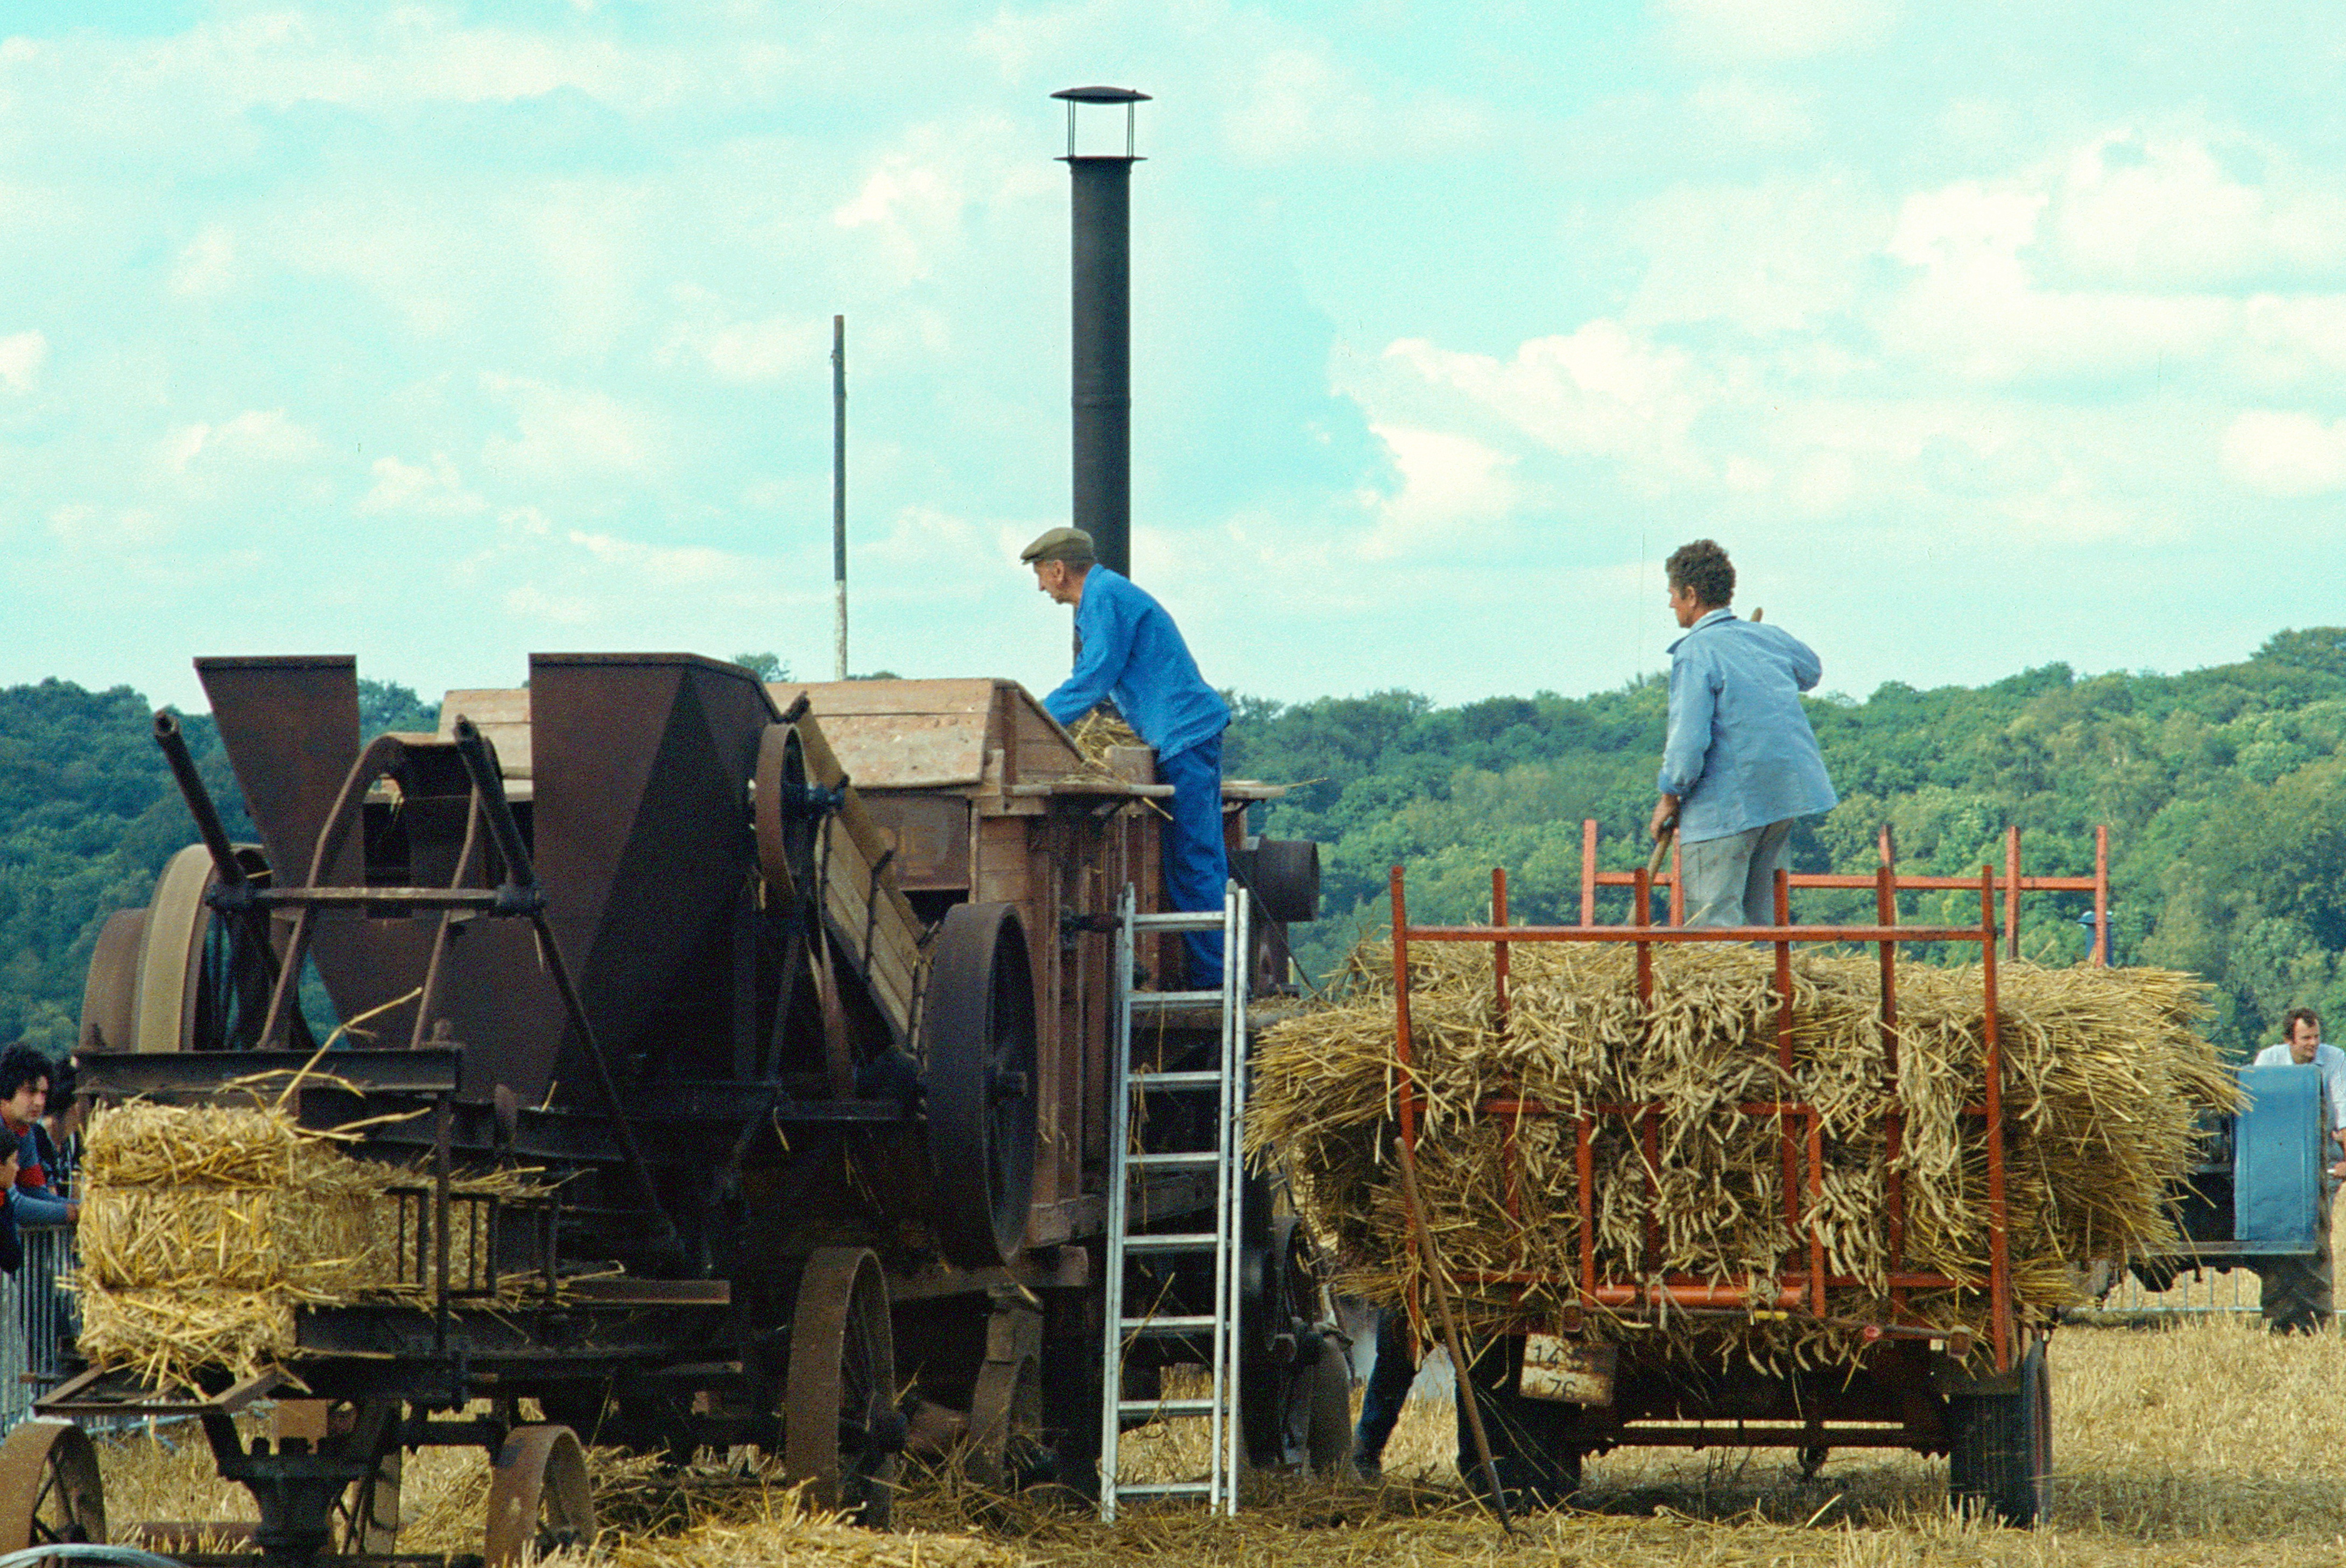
(1006, 1425)
(366, 1517)
(179, 975)
(49, 1487)
(786, 827)
(840, 1428)
(2000, 1450)
(539, 1499)
(978, 1046)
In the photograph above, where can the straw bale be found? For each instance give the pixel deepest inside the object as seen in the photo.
(167, 1335)
(204, 1227)
(2103, 1079)
(316, 1240)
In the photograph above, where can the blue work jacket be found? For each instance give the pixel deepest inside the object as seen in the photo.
(1132, 651)
(1741, 753)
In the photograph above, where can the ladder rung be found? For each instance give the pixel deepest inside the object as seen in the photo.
(1180, 920)
(1163, 1488)
(1144, 1000)
(1197, 1080)
(1192, 1323)
(1186, 1159)
(1164, 1407)
(1173, 1241)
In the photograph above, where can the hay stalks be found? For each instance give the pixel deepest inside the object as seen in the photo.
(205, 1228)
(2103, 1077)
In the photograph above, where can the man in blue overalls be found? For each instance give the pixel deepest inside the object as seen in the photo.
(1127, 647)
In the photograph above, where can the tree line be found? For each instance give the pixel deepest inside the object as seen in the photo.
(2222, 788)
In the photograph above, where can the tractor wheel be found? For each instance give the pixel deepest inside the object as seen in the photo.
(2000, 1455)
(2299, 1295)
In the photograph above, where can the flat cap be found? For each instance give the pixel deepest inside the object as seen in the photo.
(1060, 545)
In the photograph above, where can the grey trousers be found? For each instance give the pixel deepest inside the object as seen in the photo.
(1732, 880)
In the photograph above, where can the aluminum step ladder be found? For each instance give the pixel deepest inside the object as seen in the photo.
(1223, 1086)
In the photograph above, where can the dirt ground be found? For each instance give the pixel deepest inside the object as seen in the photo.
(2210, 1441)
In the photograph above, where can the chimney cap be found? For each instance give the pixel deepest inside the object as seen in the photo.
(1101, 96)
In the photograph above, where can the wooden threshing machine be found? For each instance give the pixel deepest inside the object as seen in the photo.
(797, 996)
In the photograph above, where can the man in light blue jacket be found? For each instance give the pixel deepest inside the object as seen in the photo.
(1741, 761)
(1127, 647)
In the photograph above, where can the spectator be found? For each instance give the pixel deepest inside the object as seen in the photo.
(61, 1129)
(12, 1247)
(24, 1095)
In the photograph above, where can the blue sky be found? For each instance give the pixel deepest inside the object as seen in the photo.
(1983, 336)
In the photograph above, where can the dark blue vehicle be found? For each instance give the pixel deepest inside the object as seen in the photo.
(2259, 1198)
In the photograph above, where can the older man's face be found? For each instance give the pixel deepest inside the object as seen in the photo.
(2304, 1040)
(1054, 578)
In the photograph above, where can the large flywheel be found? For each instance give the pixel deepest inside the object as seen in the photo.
(179, 975)
(842, 1431)
(977, 1027)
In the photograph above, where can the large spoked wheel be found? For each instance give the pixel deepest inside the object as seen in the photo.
(978, 1046)
(179, 975)
(366, 1517)
(786, 824)
(1005, 1449)
(49, 1487)
(842, 1431)
(539, 1499)
(2000, 1454)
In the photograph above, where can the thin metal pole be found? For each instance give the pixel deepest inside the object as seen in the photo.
(1588, 870)
(839, 492)
(2102, 895)
(1999, 1210)
(2012, 891)
(1119, 1132)
(1460, 1367)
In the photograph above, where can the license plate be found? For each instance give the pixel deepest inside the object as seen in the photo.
(1566, 1370)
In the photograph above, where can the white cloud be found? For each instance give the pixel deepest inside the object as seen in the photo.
(2166, 211)
(1977, 309)
(22, 355)
(256, 435)
(2284, 453)
(433, 489)
(1453, 490)
(1600, 390)
(762, 351)
(1776, 29)
(563, 432)
(1295, 99)
(206, 263)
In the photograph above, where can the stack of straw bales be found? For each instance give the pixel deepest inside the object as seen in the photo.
(2104, 1078)
(205, 1228)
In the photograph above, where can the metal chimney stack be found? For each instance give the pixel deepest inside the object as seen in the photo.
(1102, 333)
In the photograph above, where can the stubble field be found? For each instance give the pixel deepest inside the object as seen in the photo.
(2209, 1442)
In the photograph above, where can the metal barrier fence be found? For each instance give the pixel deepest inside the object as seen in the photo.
(2214, 1290)
(39, 1320)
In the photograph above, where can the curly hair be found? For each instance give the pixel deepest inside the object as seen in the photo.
(1703, 568)
(20, 1064)
(2289, 1024)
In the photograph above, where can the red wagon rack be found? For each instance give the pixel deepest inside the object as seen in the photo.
(1916, 1386)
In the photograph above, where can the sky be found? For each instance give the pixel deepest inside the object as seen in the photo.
(1981, 336)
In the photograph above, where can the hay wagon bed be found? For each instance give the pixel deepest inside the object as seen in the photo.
(1547, 1391)
(734, 1059)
